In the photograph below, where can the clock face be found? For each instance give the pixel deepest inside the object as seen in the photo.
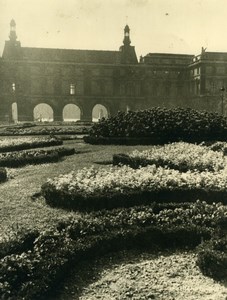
(126, 34)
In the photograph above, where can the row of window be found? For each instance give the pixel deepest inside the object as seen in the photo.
(97, 88)
(128, 89)
(210, 70)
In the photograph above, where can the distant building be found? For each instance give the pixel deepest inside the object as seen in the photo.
(42, 84)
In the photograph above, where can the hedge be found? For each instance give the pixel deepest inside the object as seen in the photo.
(129, 141)
(40, 157)
(23, 242)
(61, 199)
(212, 258)
(159, 125)
(34, 274)
(46, 258)
(43, 131)
(3, 174)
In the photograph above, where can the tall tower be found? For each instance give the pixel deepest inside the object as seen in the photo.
(12, 34)
(127, 40)
(12, 47)
(128, 54)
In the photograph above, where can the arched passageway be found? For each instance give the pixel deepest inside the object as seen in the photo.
(71, 113)
(43, 113)
(99, 111)
(14, 112)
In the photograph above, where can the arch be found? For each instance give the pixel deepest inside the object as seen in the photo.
(43, 113)
(71, 113)
(14, 112)
(99, 111)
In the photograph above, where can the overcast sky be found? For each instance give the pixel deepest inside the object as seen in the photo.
(165, 26)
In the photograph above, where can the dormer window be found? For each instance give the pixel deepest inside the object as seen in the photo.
(72, 89)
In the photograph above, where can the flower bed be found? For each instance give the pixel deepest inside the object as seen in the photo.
(161, 124)
(180, 156)
(18, 159)
(45, 130)
(32, 273)
(7, 145)
(91, 188)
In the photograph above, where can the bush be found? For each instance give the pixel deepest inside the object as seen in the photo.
(212, 258)
(161, 124)
(3, 174)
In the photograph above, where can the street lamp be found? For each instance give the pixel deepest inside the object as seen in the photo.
(222, 89)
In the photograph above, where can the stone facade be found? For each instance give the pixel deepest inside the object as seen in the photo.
(114, 80)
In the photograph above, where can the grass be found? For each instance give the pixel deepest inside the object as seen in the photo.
(19, 210)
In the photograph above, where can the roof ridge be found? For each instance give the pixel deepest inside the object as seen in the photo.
(65, 49)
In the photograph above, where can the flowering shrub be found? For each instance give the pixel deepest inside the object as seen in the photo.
(181, 156)
(96, 188)
(164, 124)
(13, 144)
(17, 159)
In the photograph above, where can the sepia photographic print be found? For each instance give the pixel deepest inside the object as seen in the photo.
(113, 149)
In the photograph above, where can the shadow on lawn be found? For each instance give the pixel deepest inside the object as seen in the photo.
(104, 162)
(90, 271)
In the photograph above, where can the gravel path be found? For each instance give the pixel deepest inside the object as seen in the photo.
(147, 276)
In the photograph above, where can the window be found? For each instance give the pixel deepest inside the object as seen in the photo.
(13, 87)
(72, 89)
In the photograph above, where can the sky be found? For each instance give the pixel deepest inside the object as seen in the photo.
(157, 26)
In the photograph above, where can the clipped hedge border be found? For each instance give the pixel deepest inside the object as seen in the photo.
(123, 140)
(25, 146)
(61, 199)
(3, 174)
(40, 159)
(36, 273)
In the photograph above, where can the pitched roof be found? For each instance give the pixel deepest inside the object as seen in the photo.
(68, 55)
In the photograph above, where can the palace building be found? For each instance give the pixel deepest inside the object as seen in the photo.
(43, 84)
